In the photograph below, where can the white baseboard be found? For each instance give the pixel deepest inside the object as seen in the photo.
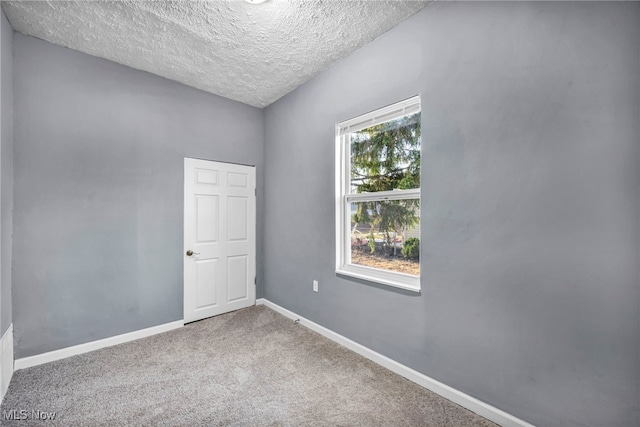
(471, 403)
(6, 361)
(39, 359)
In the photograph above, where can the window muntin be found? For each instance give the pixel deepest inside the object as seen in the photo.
(378, 195)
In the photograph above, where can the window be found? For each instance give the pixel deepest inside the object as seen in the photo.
(378, 196)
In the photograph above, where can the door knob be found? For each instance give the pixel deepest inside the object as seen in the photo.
(190, 252)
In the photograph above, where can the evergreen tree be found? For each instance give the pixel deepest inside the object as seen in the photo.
(386, 157)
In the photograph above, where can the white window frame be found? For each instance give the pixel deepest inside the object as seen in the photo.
(344, 198)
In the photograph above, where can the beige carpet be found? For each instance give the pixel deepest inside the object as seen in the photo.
(252, 367)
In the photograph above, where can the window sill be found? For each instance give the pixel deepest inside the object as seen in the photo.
(383, 277)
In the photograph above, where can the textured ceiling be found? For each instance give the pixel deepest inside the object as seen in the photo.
(251, 53)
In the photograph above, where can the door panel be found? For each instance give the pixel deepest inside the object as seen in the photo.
(219, 228)
(237, 179)
(207, 216)
(237, 214)
(206, 278)
(237, 274)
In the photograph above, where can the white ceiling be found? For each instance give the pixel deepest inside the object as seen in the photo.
(250, 53)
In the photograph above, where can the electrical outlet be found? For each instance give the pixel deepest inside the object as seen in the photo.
(315, 286)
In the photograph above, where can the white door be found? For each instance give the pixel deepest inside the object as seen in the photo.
(219, 238)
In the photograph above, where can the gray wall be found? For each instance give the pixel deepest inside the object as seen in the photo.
(531, 143)
(6, 169)
(98, 221)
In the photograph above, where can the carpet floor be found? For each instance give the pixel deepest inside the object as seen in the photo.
(252, 367)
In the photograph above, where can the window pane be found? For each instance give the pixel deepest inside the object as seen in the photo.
(386, 156)
(385, 235)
